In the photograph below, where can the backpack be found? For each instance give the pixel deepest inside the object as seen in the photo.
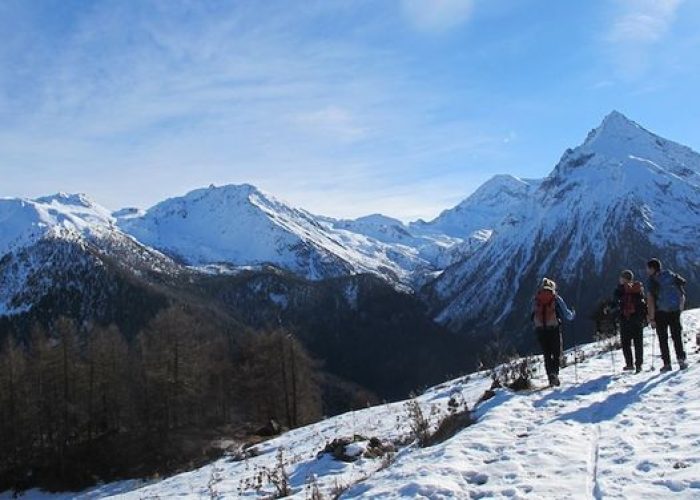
(544, 312)
(668, 290)
(632, 303)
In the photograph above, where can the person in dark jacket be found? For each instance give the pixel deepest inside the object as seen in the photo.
(630, 305)
(666, 300)
(548, 311)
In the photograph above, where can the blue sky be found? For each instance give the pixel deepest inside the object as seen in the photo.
(344, 107)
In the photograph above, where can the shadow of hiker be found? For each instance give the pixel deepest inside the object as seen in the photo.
(614, 404)
(596, 385)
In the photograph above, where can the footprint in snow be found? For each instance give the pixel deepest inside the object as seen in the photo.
(476, 478)
(646, 466)
(672, 484)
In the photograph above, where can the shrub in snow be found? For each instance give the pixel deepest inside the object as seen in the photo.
(212, 484)
(377, 448)
(338, 489)
(488, 394)
(507, 367)
(450, 426)
(419, 424)
(439, 426)
(245, 452)
(344, 449)
(313, 492)
(515, 374)
(277, 477)
(352, 449)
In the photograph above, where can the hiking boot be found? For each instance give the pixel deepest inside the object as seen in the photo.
(638, 370)
(555, 381)
(682, 365)
(665, 368)
(628, 368)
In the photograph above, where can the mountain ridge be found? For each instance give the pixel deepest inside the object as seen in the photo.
(510, 231)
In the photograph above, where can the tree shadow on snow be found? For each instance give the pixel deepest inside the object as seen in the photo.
(615, 403)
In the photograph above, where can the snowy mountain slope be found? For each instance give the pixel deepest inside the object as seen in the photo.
(440, 249)
(581, 235)
(607, 435)
(455, 234)
(243, 226)
(24, 222)
(58, 243)
(485, 209)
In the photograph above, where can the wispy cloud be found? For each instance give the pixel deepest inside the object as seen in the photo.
(638, 26)
(332, 120)
(188, 93)
(341, 106)
(437, 16)
(644, 21)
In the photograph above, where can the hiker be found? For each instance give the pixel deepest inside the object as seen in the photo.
(631, 308)
(548, 310)
(666, 300)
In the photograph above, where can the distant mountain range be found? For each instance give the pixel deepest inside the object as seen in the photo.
(623, 195)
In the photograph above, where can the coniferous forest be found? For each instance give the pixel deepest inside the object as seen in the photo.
(79, 403)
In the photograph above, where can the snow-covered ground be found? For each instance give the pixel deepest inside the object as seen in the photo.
(607, 435)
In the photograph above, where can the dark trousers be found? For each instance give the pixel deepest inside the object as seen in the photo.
(631, 332)
(550, 341)
(665, 321)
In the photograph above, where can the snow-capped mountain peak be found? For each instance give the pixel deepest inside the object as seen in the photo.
(71, 199)
(58, 242)
(484, 209)
(619, 141)
(240, 225)
(25, 221)
(624, 195)
(616, 125)
(500, 188)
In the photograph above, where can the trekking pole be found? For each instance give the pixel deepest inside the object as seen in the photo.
(575, 357)
(653, 345)
(612, 354)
